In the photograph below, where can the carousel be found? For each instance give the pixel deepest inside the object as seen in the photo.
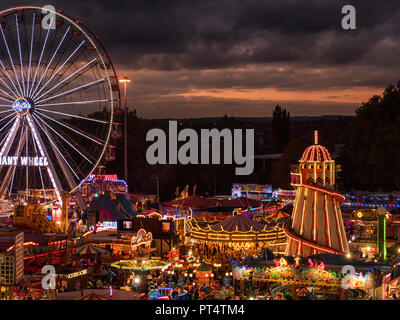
(238, 232)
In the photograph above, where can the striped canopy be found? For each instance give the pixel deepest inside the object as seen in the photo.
(91, 249)
(278, 214)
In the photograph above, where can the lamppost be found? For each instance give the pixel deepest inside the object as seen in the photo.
(125, 81)
(158, 189)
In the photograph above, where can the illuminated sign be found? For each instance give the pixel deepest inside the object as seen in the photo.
(21, 106)
(73, 275)
(24, 161)
(108, 225)
(142, 237)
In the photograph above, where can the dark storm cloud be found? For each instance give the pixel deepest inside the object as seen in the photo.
(174, 46)
(177, 34)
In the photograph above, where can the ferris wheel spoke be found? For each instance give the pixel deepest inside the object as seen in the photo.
(65, 140)
(5, 99)
(5, 92)
(4, 111)
(83, 134)
(56, 148)
(20, 56)
(2, 119)
(66, 93)
(12, 182)
(8, 133)
(40, 60)
(12, 61)
(26, 167)
(51, 61)
(58, 70)
(13, 175)
(40, 170)
(9, 139)
(73, 115)
(30, 53)
(50, 168)
(11, 80)
(71, 103)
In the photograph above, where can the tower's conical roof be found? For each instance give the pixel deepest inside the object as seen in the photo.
(316, 152)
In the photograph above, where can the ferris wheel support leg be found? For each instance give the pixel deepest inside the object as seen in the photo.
(81, 202)
(64, 223)
(43, 152)
(66, 171)
(6, 181)
(7, 144)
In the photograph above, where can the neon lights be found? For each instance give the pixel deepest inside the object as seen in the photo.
(302, 241)
(35, 135)
(34, 84)
(20, 55)
(329, 192)
(24, 161)
(11, 134)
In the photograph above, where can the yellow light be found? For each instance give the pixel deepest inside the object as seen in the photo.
(125, 80)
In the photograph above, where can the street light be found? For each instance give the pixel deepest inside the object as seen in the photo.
(125, 81)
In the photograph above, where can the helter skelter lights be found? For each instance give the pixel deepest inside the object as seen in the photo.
(21, 106)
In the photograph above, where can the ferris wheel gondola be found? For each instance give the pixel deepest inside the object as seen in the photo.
(58, 93)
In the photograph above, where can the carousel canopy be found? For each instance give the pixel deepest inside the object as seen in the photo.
(237, 229)
(238, 223)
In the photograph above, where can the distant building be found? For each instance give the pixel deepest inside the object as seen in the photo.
(259, 192)
(12, 264)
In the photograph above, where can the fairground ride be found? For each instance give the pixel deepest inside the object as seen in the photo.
(58, 99)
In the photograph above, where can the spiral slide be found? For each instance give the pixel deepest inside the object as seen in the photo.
(107, 203)
(126, 205)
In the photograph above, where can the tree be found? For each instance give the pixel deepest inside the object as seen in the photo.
(371, 157)
(280, 129)
(280, 171)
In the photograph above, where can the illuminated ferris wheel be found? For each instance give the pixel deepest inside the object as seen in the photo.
(58, 98)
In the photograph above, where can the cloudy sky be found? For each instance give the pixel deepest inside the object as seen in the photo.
(237, 57)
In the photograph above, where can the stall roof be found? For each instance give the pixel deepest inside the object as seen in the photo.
(200, 202)
(7, 239)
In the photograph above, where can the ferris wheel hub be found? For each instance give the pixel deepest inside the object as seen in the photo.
(21, 106)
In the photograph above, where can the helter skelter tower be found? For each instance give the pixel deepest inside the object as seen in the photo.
(316, 225)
